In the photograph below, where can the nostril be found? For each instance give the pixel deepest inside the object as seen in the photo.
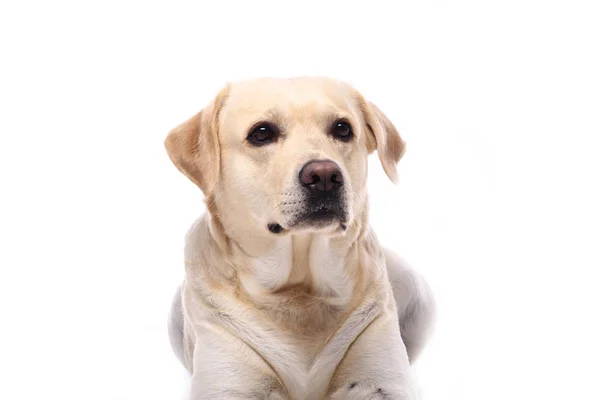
(315, 179)
(335, 179)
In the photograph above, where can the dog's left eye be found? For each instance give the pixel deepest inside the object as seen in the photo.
(341, 130)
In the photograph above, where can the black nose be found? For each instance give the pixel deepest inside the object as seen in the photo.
(321, 175)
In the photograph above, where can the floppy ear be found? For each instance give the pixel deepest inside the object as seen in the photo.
(193, 146)
(383, 137)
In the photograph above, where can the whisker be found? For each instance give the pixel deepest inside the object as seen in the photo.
(278, 205)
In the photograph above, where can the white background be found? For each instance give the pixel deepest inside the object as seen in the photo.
(497, 204)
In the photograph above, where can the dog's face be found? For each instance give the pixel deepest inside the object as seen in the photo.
(285, 155)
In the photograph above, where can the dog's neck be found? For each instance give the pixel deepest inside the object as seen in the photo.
(319, 264)
(323, 265)
(304, 282)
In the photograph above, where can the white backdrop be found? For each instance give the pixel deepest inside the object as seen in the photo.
(497, 203)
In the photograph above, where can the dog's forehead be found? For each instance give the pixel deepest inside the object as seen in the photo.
(288, 96)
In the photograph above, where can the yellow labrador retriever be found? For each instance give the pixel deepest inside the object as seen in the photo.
(287, 293)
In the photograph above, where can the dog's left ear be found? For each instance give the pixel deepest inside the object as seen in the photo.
(383, 137)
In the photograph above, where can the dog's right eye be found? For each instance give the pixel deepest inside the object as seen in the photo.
(262, 134)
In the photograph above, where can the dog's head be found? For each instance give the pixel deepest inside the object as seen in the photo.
(285, 154)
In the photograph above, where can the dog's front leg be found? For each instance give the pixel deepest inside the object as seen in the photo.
(225, 368)
(376, 366)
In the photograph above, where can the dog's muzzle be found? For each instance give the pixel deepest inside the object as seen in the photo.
(322, 199)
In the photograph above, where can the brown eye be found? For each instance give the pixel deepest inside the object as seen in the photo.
(262, 134)
(341, 130)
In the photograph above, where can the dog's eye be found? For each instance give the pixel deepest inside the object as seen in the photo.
(341, 130)
(262, 134)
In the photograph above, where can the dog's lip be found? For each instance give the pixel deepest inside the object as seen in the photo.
(313, 219)
(322, 210)
(322, 214)
(274, 227)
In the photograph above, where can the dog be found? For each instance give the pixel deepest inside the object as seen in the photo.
(287, 292)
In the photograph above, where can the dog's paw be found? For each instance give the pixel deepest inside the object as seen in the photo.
(369, 391)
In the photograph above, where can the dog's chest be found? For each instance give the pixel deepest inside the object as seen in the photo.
(305, 340)
(298, 349)
(303, 316)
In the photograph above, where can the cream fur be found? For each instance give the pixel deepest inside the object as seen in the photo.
(308, 314)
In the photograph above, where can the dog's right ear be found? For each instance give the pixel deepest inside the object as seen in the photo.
(193, 146)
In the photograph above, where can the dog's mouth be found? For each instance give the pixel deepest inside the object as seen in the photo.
(323, 213)
(275, 228)
(312, 210)
(318, 217)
